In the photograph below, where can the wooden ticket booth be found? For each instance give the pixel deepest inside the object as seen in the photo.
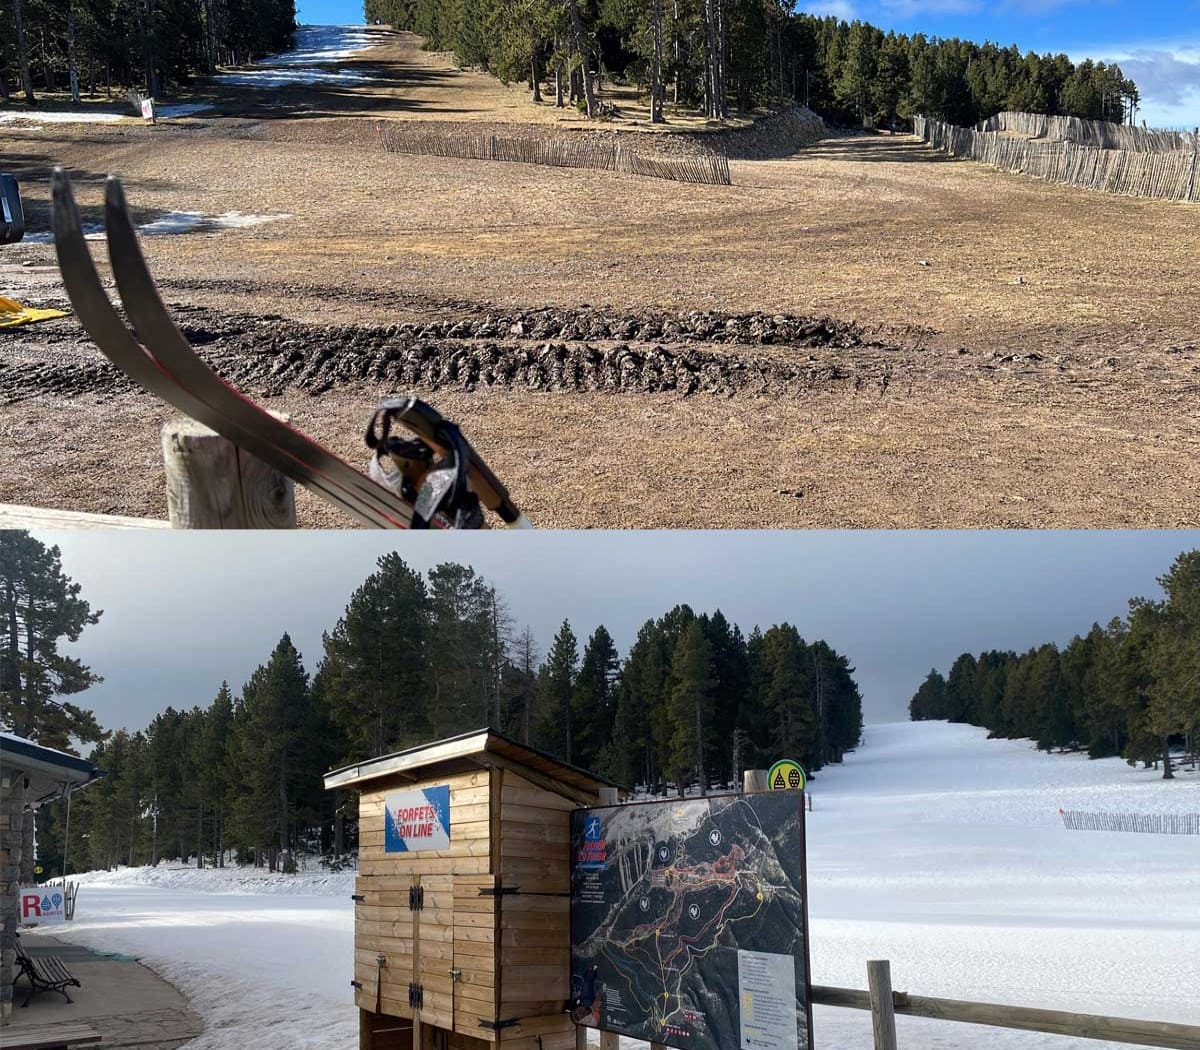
(462, 904)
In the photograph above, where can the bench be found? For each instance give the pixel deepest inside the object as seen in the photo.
(60, 1036)
(45, 973)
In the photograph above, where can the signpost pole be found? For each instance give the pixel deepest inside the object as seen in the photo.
(755, 780)
(883, 1012)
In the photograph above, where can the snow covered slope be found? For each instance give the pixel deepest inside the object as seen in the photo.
(931, 846)
(315, 47)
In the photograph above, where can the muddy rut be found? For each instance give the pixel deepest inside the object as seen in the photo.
(547, 350)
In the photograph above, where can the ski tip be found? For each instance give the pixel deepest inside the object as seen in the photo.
(64, 216)
(114, 194)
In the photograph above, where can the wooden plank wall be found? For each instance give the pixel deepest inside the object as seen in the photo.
(534, 924)
(523, 937)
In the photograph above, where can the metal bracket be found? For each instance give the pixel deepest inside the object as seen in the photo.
(416, 898)
(493, 1026)
(455, 973)
(358, 897)
(356, 984)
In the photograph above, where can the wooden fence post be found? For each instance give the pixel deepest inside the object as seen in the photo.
(581, 1037)
(883, 1014)
(755, 780)
(213, 484)
(610, 1041)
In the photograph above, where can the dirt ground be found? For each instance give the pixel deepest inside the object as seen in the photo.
(862, 334)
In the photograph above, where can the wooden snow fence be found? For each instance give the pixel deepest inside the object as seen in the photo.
(1169, 176)
(710, 169)
(1099, 134)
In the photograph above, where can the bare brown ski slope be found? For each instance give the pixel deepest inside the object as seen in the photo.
(860, 335)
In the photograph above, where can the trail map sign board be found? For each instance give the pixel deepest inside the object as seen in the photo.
(689, 922)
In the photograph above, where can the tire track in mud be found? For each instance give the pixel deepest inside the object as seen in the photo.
(556, 351)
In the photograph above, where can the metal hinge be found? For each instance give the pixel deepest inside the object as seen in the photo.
(416, 996)
(493, 1026)
(416, 898)
(356, 984)
(358, 897)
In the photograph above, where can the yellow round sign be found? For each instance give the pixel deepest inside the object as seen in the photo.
(786, 775)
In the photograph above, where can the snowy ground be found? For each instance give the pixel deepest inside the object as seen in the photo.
(932, 847)
(171, 224)
(316, 46)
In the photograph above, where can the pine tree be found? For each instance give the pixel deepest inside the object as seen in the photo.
(374, 674)
(40, 607)
(555, 695)
(690, 704)
(594, 701)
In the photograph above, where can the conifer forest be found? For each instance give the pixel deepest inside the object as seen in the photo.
(413, 658)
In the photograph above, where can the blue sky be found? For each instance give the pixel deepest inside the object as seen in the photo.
(1157, 42)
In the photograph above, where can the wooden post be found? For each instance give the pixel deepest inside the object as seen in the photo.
(883, 1014)
(755, 780)
(213, 484)
(608, 796)
(581, 1037)
(610, 1041)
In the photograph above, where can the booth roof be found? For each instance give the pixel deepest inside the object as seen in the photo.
(477, 746)
(48, 770)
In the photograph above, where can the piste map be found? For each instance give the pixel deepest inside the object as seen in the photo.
(688, 922)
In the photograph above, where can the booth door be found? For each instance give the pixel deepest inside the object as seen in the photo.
(384, 944)
(435, 951)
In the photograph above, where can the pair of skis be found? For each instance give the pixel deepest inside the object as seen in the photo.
(162, 361)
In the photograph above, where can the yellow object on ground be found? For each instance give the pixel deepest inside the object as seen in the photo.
(13, 313)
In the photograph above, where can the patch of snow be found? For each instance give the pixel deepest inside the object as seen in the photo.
(270, 78)
(172, 223)
(42, 116)
(930, 846)
(225, 880)
(180, 109)
(317, 44)
(314, 46)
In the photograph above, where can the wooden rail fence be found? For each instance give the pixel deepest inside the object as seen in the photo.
(1099, 134)
(1146, 823)
(884, 1004)
(710, 169)
(1157, 176)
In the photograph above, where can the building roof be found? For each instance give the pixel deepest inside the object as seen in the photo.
(483, 747)
(50, 772)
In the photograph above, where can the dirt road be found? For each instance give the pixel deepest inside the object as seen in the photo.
(863, 334)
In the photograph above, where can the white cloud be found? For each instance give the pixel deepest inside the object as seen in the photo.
(842, 9)
(1167, 75)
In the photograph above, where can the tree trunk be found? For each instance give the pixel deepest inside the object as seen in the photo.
(1168, 772)
(23, 51)
(584, 51)
(656, 85)
(72, 64)
(535, 80)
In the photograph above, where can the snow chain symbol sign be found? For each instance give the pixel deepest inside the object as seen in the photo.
(786, 775)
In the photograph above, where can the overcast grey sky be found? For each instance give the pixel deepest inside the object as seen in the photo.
(182, 611)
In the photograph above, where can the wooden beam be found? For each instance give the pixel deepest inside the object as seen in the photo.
(883, 1013)
(1131, 1031)
(491, 761)
(14, 516)
(213, 484)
